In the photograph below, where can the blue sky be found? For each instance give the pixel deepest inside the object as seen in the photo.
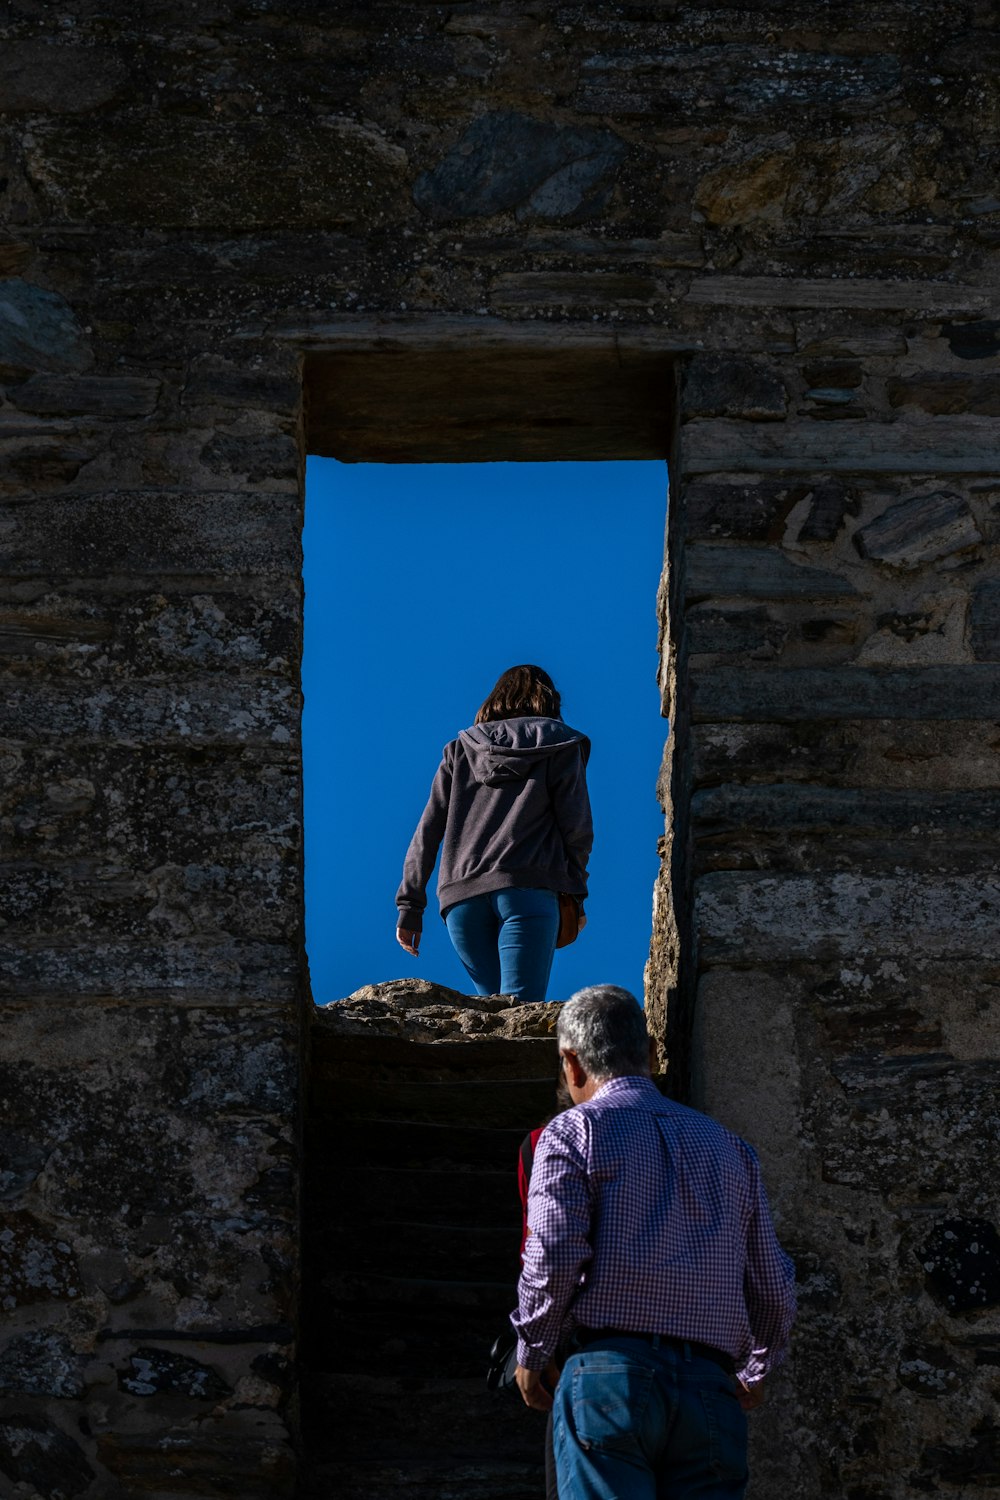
(423, 583)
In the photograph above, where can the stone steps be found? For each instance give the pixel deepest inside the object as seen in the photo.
(401, 1417)
(415, 1195)
(401, 1143)
(411, 1235)
(489, 1102)
(434, 1250)
(384, 1322)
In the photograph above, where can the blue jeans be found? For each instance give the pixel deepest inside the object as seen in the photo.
(506, 940)
(634, 1421)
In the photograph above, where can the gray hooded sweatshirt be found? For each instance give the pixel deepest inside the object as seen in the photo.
(508, 807)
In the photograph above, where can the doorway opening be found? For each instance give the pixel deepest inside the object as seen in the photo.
(475, 499)
(423, 584)
(409, 1244)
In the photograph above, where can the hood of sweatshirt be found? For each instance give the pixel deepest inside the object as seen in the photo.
(507, 750)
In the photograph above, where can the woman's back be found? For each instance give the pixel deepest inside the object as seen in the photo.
(510, 814)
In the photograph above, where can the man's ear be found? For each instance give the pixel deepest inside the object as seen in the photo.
(575, 1072)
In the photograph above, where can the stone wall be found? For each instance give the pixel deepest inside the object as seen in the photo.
(794, 210)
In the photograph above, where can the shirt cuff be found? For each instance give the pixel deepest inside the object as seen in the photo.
(410, 919)
(531, 1359)
(755, 1369)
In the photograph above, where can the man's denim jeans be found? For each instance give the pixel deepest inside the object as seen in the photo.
(506, 940)
(634, 1421)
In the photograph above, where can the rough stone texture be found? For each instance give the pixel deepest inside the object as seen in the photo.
(762, 242)
(421, 1011)
(919, 530)
(510, 161)
(410, 1240)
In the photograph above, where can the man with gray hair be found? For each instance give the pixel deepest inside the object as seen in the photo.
(650, 1241)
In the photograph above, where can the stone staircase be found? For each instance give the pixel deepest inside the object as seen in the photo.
(419, 1099)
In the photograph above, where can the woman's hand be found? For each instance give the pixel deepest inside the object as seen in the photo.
(408, 941)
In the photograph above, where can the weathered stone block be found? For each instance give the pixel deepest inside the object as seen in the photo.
(919, 530)
(88, 634)
(744, 1028)
(70, 799)
(152, 1372)
(172, 171)
(984, 620)
(877, 1131)
(929, 445)
(214, 381)
(40, 1364)
(759, 511)
(715, 386)
(962, 1260)
(738, 79)
(38, 331)
(256, 459)
(748, 916)
(207, 710)
(834, 294)
(843, 373)
(930, 1371)
(977, 339)
(735, 631)
(508, 161)
(574, 289)
(157, 531)
(21, 1160)
(942, 393)
(40, 463)
(757, 573)
(790, 829)
(107, 396)
(46, 76)
(248, 1453)
(36, 1453)
(36, 1264)
(929, 633)
(949, 819)
(831, 503)
(190, 971)
(789, 694)
(746, 512)
(849, 752)
(128, 900)
(972, 1463)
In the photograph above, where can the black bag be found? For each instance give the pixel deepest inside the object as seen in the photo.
(502, 1373)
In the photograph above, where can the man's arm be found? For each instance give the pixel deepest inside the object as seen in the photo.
(768, 1288)
(558, 1246)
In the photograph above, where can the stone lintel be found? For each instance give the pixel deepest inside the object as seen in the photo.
(481, 403)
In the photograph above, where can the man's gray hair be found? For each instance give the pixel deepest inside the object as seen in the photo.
(606, 1027)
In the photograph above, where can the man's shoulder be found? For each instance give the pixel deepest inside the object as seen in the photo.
(641, 1097)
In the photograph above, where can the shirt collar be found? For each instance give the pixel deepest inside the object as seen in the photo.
(626, 1081)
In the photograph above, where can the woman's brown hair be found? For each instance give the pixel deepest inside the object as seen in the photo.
(521, 691)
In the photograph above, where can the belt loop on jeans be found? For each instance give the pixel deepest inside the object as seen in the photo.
(687, 1352)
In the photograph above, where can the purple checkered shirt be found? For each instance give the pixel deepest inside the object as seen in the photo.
(649, 1217)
